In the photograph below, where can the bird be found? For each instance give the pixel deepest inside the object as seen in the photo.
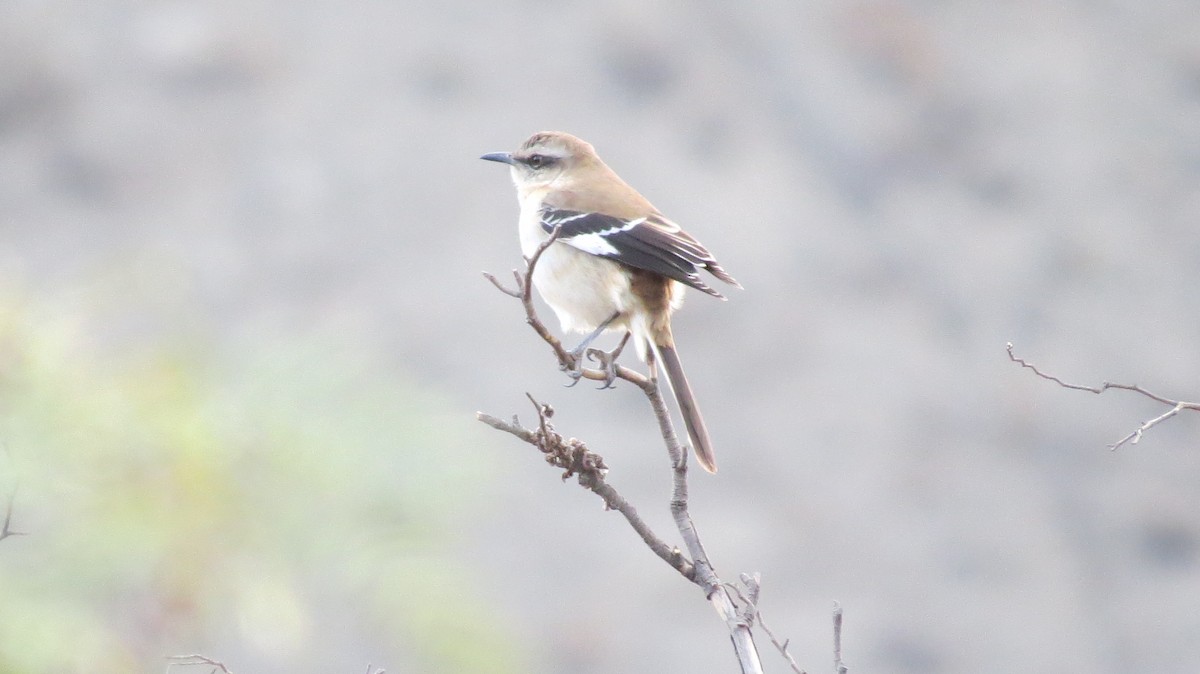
(617, 263)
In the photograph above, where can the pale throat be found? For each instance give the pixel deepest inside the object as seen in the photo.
(530, 196)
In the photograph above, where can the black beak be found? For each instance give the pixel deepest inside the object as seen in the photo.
(502, 157)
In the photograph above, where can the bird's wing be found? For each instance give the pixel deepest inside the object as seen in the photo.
(652, 242)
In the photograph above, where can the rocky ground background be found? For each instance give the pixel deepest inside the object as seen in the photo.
(901, 187)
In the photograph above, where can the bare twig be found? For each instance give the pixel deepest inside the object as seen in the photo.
(838, 666)
(196, 659)
(748, 598)
(705, 577)
(781, 647)
(573, 456)
(1177, 406)
(751, 614)
(499, 286)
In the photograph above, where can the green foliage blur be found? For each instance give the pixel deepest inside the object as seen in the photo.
(264, 501)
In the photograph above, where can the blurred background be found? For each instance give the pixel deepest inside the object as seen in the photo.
(243, 334)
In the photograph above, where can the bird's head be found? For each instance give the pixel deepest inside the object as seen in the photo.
(546, 157)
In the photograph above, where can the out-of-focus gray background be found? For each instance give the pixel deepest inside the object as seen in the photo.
(244, 334)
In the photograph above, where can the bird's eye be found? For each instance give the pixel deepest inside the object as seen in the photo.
(537, 161)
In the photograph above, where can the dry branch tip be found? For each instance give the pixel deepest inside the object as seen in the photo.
(1177, 406)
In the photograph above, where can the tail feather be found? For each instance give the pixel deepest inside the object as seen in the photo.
(697, 431)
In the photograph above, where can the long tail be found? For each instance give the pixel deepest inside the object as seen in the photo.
(697, 431)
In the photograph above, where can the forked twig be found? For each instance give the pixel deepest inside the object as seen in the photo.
(1177, 406)
(751, 614)
(575, 459)
(196, 659)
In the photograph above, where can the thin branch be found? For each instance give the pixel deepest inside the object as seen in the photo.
(499, 286)
(1177, 406)
(574, 457)
(781, 647)
(196, 659)
(752, 614)
(1093, 389)
(705, 576)
(839, 667)
(1136, 435)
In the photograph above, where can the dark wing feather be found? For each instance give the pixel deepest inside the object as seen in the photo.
(652, 243)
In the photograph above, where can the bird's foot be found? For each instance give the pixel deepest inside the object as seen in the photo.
(574, 369)
(608, 361)
(608, 365)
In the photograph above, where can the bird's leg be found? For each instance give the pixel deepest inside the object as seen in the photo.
(651, 366)
(608, 361)
(575, 371)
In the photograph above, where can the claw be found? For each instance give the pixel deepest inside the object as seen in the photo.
(575, 371)
(608, 365)
(608, 361)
